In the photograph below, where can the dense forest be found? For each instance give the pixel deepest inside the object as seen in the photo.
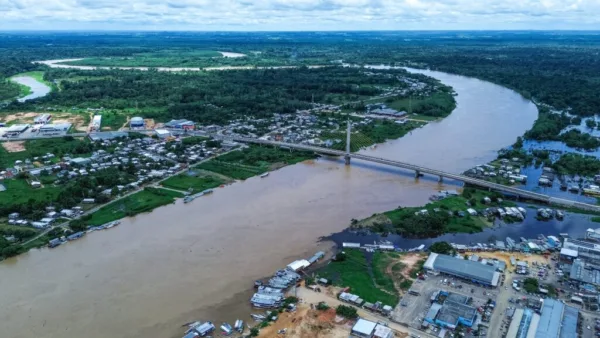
(554, 68)
(217, 97)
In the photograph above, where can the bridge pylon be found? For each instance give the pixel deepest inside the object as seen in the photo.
(348, 132)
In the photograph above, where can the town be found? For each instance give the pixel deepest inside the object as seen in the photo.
(544, 287)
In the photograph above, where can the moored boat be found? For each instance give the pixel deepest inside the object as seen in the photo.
(264, 175)
(239, 325)
(226, 329)
(201, 329)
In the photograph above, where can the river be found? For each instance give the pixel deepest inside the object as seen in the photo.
(183, 262)
(38, 89)
(63, 63)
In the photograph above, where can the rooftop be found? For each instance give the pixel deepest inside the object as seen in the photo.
(452, 311)
(463, 268)
(106, 135)
(568, 252)
(364, 327)
(583, 272)
(550, 320)
(569, 322)
(382, 331)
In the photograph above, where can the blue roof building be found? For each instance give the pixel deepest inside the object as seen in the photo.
(569, 322)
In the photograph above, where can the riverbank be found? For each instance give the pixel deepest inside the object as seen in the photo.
(246, 231)
(32, 85)
(450, 212)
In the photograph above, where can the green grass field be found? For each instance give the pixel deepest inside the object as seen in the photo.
(361, 276)
(252, 161)
(143, 201)
(18, 191)
(232, 170)
(196, 183)
(113, 120)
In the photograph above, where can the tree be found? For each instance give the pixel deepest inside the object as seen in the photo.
(591, 123)
(442, 248)
(531, 285)
(346, 311)
(519, 143)
(322, 306)
(254, 332)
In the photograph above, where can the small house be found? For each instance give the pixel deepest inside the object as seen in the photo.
(363, 328)
(35, 184)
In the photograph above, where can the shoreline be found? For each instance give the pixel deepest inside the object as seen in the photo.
(225, 299)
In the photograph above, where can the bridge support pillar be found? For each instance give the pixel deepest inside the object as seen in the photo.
(417, 173)
(347, 159)
(441, 179)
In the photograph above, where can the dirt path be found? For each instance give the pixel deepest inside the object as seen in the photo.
(390, 271)
(124, 126)
(409, 261)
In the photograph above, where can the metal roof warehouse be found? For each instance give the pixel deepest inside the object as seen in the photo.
(474, 271)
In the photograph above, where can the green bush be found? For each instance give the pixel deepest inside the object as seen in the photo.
(322, 306)
(346, 311)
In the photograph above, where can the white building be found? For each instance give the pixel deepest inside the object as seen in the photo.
(162, 133)
(96, 122)
(363, 328)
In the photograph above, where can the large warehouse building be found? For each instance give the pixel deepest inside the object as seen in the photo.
(465, 269)
(556, 321)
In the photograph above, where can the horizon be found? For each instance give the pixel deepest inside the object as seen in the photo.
(300, 15)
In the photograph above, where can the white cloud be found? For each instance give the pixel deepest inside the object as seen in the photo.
(299, 14)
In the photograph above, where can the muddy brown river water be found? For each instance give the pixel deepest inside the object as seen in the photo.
(184, 262)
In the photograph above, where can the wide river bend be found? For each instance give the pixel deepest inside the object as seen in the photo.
(184, 262)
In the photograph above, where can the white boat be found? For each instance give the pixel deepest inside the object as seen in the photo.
(201, 329)
(258, 317)
(239, 325)
(264, 175)
(226, 329)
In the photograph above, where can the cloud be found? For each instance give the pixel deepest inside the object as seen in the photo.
(300, 14)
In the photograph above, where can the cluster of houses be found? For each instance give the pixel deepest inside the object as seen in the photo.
(508, 169)
(151, 159)
(51, 216)
(518, 213)
(540, 245)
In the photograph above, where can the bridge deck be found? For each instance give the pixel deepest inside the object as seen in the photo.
(474, 181)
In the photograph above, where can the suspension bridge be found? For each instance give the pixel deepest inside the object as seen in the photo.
(418, 170)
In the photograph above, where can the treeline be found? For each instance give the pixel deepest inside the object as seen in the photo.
(213, 97)
(576, 164)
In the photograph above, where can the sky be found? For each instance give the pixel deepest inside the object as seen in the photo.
(299, 15)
